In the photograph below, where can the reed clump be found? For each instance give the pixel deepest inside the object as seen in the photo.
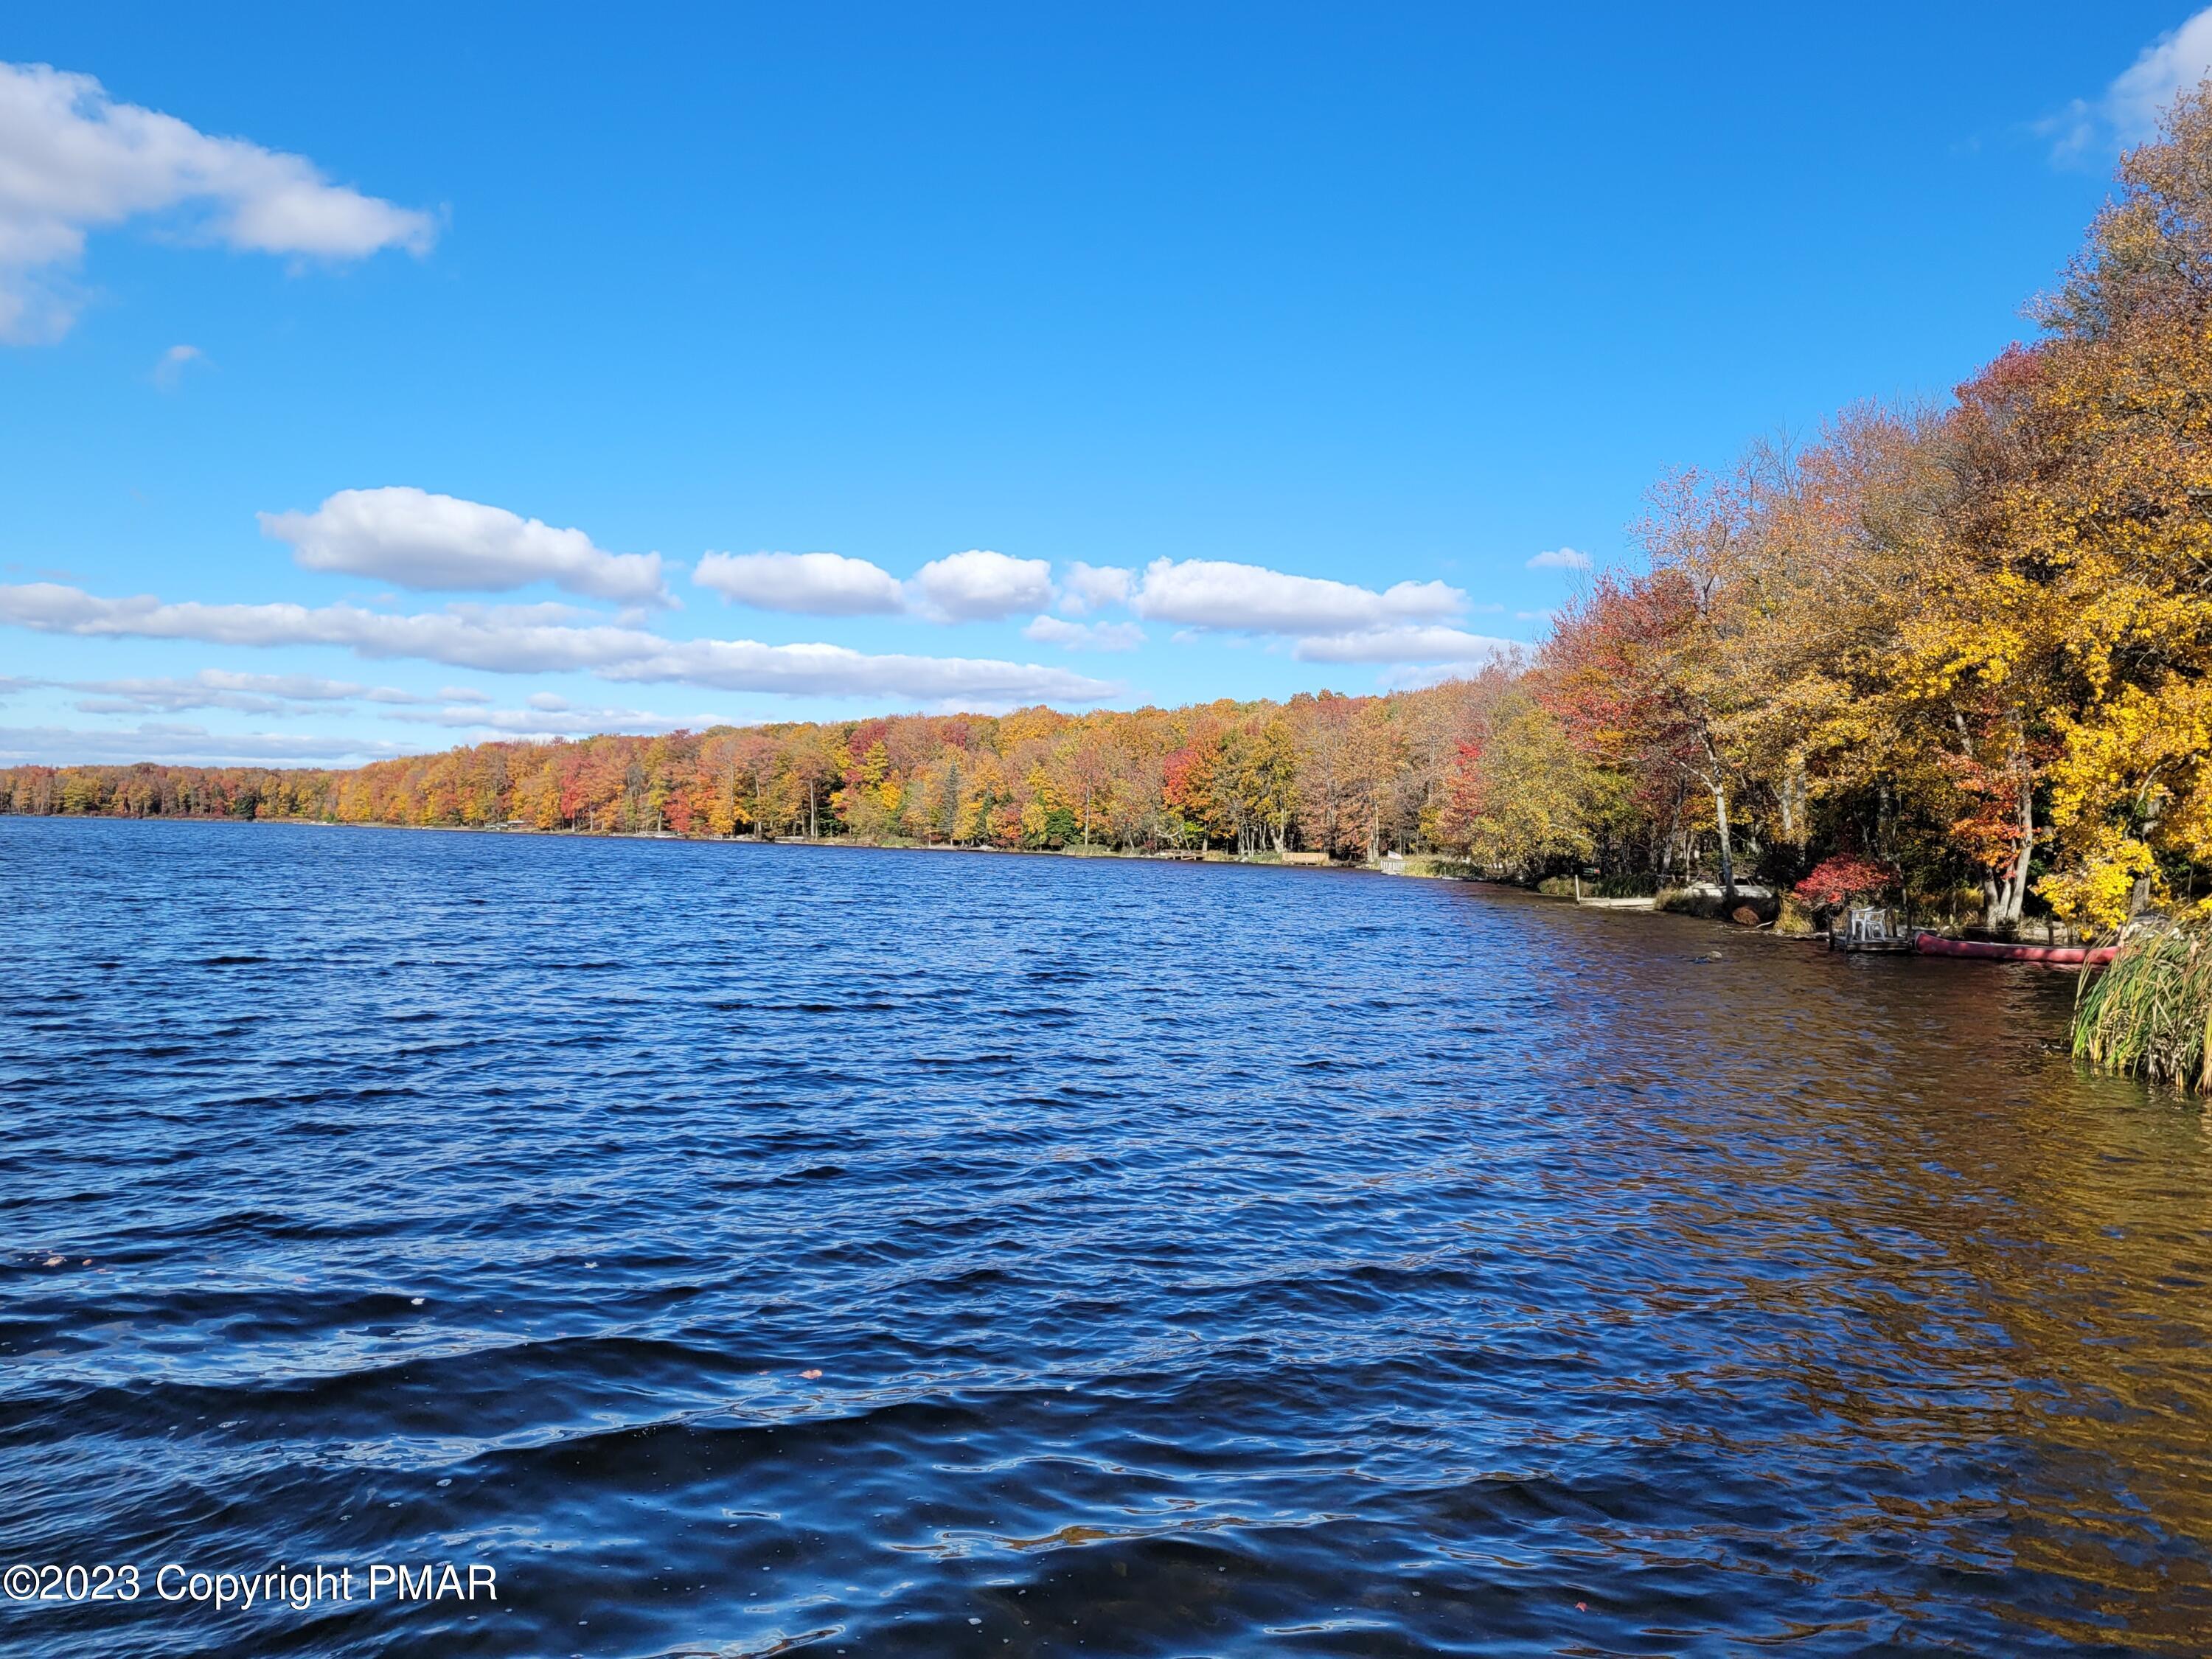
(2149, 1014)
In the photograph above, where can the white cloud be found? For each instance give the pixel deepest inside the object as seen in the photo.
(417, 539)
(536, 720)
(295, 688)
(1213, 594)
(1560, 558)
(2175, 63)
(170, 369)
(510, 640)
(979, 586)
(832, 671)
(517, 640)
(2128, 111)
(1403, 644)
(545, 613)
(811, 584)
(1087, 585)
(73, 160)
(216, 688)
(1084, 636)
(182, 744)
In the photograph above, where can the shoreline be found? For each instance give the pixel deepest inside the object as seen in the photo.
(1420, 866)
(1215, 855)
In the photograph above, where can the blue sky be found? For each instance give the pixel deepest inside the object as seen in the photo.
(1144, 354)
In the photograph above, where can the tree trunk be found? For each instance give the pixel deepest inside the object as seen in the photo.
(1728, 848)
(2012, 892)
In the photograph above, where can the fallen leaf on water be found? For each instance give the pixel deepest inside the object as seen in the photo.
(56, 1261)
(809, 1376)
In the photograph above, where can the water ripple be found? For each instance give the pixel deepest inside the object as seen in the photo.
(775, 1250)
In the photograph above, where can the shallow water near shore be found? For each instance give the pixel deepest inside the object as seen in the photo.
(759, 1249)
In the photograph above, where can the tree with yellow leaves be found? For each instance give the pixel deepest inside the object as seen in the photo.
(2080, 565)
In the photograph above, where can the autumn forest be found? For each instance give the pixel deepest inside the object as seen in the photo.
(1958, 654)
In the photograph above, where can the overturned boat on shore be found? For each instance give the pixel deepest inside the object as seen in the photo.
(1987, 950)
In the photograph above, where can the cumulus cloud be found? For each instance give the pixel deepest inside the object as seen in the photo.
(417, 539)
(1560, 558)
(1252, 598)
(979, 586)
(73, 160)
(810, 584)
(1085, 636)
(518, 640)
(1402, 644)
(1088, 586)
(185, 744)
(2127, 112)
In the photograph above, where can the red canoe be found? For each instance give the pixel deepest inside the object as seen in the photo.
(2057, 955)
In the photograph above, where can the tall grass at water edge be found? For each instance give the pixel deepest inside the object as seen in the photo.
(2149, 1014)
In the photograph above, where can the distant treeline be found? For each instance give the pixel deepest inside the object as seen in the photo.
(146, 791)
(1960, 655)
(1353, 776)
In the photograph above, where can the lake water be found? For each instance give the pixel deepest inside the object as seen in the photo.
(780, 1249)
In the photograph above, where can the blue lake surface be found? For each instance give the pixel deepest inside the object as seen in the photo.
(751, 1249)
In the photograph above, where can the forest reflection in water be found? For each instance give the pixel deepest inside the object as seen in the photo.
(1983, 1273)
